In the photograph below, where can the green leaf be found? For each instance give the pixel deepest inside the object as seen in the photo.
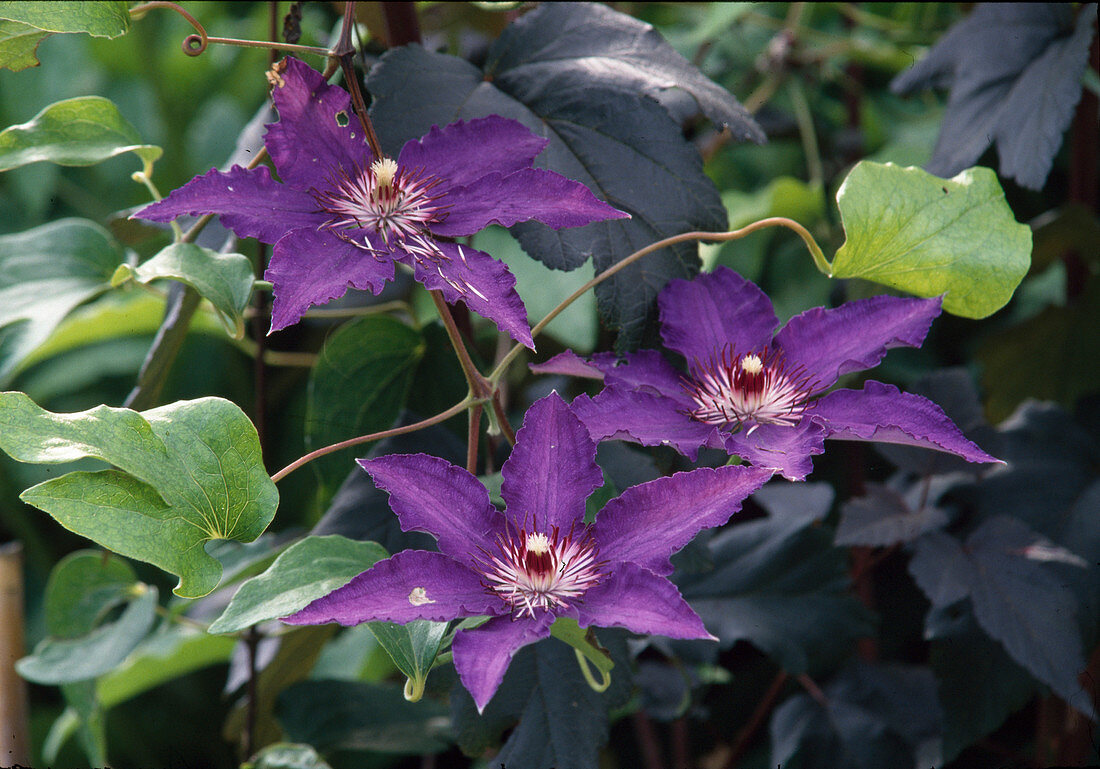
(44, 273)
(359, 386)
(99, 19)
(918, 233)
(224, 279)
(187, 472)
(90, 725)
(162, 657)
(82, 588)
(306, 571)
(74, 132)
(542, 289)
(413, 648)
(354, 716)
(58, 661)
(283, 755)
(18, 42)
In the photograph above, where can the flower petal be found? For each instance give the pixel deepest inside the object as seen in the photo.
(310, 266)
(484, 284)
(780, 448)
(552, 469)
(854, 336)
(699, 317)
(463, 152)
(250, 203)
(317, 131)
(412, 584)
(569, 364)
(641, 417)
(430, 494)
(649, 522)
(640, 601)
(881, 412)
(531, 193)
(482, 655)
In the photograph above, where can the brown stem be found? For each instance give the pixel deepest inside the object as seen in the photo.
(248, 739)
(479, 385)
(402, 25)
(647, 740)
(756, 720)
(345, 52)
(472, 435)
(443, 416)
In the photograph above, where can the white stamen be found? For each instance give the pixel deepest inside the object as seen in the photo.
(751, 390)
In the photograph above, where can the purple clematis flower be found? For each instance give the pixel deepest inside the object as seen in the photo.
(757, 395)
(342, 217)
(537, 560)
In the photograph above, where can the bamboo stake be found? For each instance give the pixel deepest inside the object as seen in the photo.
(14, 720)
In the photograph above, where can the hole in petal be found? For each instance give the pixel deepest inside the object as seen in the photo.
(342, 118)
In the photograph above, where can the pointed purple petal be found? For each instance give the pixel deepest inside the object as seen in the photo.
(640, 417)
(482, 655)
(484, 284)
(642, 602)
(552, 468)
(569, 364)
(430, 494)
(311, 267)
(463, 152)
(648, 523)
(779, 448)
(531, 193)
(854, 336)
(410, 585)
(699, 317)
(881, 412)
(250, 203)
(308, 143)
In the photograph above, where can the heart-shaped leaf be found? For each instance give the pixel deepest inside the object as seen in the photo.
(188, 472)
(928, 236)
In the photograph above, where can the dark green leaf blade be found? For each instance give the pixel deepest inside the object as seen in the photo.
(75, 132)
(44, 273)
(928, 236)
(304, 572)
(620, 143)
(353, 716)
(358, 386)
(110, 18)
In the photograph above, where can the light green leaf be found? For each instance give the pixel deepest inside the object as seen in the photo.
(60, 661)
(283, 755)
(160, 658)
(413, 648)
(98, 19)
(928, 236)
(44, 273)
(82, 588)
(224, 279)
(90, 725)
(18, 42)
(188, 472)
(74, 132)
(307, 570)
(359, 385)
(542, 289)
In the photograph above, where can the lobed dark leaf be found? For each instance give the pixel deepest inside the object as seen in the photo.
(1014, 70)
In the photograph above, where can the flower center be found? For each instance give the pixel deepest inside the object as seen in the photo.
(760, 389)
(534, 570)
(390, 201)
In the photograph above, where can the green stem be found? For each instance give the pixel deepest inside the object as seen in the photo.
(597, 686)
(584, 642)
(719, 237)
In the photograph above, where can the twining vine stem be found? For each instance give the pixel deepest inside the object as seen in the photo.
(487, 388)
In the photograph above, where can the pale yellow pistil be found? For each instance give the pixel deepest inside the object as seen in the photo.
(383, 170)
(751, 364)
